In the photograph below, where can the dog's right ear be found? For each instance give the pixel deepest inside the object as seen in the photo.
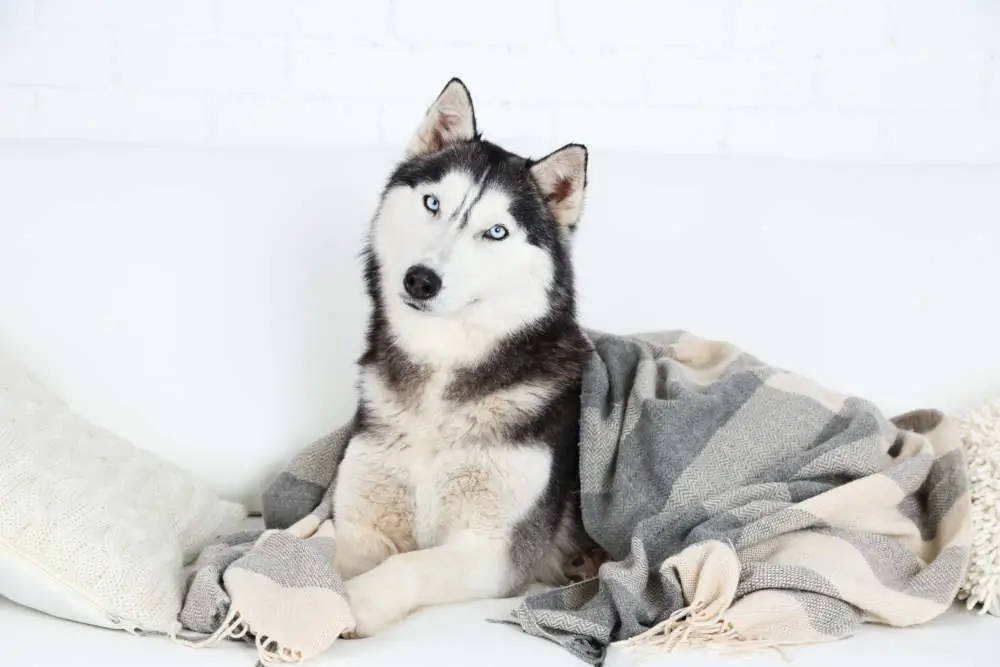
(450, 119)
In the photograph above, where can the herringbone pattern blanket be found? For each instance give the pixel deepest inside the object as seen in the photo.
(743, 505)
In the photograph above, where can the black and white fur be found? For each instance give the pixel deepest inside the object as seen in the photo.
(461, 481)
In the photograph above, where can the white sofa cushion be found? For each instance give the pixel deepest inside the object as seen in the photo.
(92, 528)
(208, 303)
(460, 636)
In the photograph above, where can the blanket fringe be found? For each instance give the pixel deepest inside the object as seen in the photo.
(688, 626)
(232, 627)
(269, 651)
(694, 626)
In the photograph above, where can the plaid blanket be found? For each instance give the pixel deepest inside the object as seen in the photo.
(741, 506)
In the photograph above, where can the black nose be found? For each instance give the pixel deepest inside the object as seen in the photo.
(421, 282)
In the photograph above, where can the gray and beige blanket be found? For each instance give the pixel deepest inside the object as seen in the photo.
(741, 506)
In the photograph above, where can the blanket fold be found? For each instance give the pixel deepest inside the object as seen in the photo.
(741, 505)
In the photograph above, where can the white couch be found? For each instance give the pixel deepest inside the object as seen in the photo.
(206, 303)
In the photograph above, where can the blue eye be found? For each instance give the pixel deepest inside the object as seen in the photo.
(497, 233)
(431, 203)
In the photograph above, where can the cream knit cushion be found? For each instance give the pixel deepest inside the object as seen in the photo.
(980, 431)
(92, 528)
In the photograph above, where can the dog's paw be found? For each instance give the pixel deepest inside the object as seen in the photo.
(584, 566)
(375, 603)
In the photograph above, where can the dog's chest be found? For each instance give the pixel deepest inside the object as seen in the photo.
(429, 417)
(451, 462)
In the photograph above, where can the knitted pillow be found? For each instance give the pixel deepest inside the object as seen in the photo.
(92, 528)
(980, 431)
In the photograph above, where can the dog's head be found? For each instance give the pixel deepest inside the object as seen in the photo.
(471, 237)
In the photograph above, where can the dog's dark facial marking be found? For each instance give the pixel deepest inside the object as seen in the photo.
(552, 346)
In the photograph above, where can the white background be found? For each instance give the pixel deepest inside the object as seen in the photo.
(873, 80)
(184, 186)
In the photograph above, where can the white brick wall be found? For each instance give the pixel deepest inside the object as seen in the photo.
(869, 80)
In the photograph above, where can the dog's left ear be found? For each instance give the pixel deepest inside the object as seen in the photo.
(451, 118)
(562, 178)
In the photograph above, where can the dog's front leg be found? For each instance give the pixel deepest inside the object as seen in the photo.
(467, 567)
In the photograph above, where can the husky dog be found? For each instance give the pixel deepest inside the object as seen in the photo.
(460, 480)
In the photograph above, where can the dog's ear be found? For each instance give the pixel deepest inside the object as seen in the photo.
(451, 118)
(562, 178)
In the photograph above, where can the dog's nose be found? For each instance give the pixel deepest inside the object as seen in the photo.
(421, 282)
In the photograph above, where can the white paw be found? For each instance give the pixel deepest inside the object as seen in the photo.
(375, 602)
